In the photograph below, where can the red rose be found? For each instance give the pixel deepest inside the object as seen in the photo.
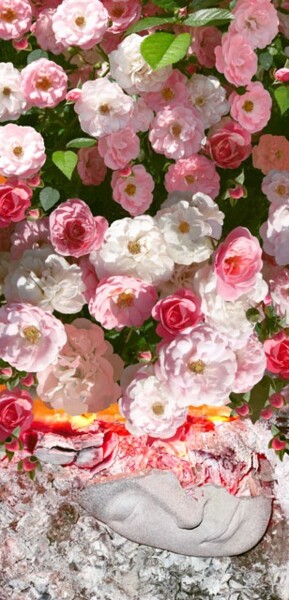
(15, 411)
(14, 200)
(177, 312)
(228, 145)
(277, 353)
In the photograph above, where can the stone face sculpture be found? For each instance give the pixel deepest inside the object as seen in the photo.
(153, 509)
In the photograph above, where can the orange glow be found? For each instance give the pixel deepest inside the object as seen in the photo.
(216, 414)
(2, 180)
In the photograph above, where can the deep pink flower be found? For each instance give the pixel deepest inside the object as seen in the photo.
(277, 353)
(205, 40)
(15, 411)
(282, 75)
(122, 13)
(15, 198)
(237, 263)
(229, 145)
(177, 312)
(74, 231)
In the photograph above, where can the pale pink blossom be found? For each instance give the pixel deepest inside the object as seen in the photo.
(44, 83)
(256, 20)
(279, 292)
(74, 231)
(177, 132)
(272, 152)
(44, 34)
(134, 191)
(90, 167)
(205, 40)
(15, 18)
(89, 277)
(103, 107)
(150, 407)
(236, 59)
(194, 174)
(208, 97)
(83, 378)
(252, 110)
(237, 263)
(251, 365)
(80, 23)
(275, 233)
(12, 100)
(276, 187)
(141, 117)
(122, 13)
(176, 313)
(198, 366)
(29, 234)
(30, 338)
(131, 71)
(119, 148)
(134, 247)
(122, 302)
(173, 92)
(22, 151)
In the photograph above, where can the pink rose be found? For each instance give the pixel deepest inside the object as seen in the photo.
(119, 148)
(122, 302)
(177, 312)
(237, 263)
(74, 231)
(252, 110)
(277, 353)
(205, 40)
(90, 167)
(43, 83)
(256, 20)
(236, 59)
(15, 19)
(25, 153)
(272, 152)
(14, 200)
(15, 411)
(122, 13)
(133, 191)
(228, 145)
(194, 174)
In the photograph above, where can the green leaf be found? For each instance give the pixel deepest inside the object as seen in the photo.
(150, 22)
(167, 4)
(65, 162)
(203, 4)
(163, 49)
(281, 94)
(258, 397)
(35, 55)
(266, 60)
(209, 16)
(81, 143)
(48, 197)
(16, 432)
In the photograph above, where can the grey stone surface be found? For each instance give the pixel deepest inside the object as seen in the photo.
(153, 509)
(52, 549)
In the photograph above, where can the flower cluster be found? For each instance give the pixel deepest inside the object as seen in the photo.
(144, 211)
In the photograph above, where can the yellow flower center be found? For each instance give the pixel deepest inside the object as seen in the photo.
(43, 83)
(248, 105)
(158, 409)
(197, 366)
(190, 179)
(125, 299)
(130, 189)
(199, 101)
(80, 21)
(281, 190)
(18, 150)
(168, 94)
(104, 109)
(176, 130)
(134, 247)
(6, 91)
(8, 15)
(184, 227)
(32, 334)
